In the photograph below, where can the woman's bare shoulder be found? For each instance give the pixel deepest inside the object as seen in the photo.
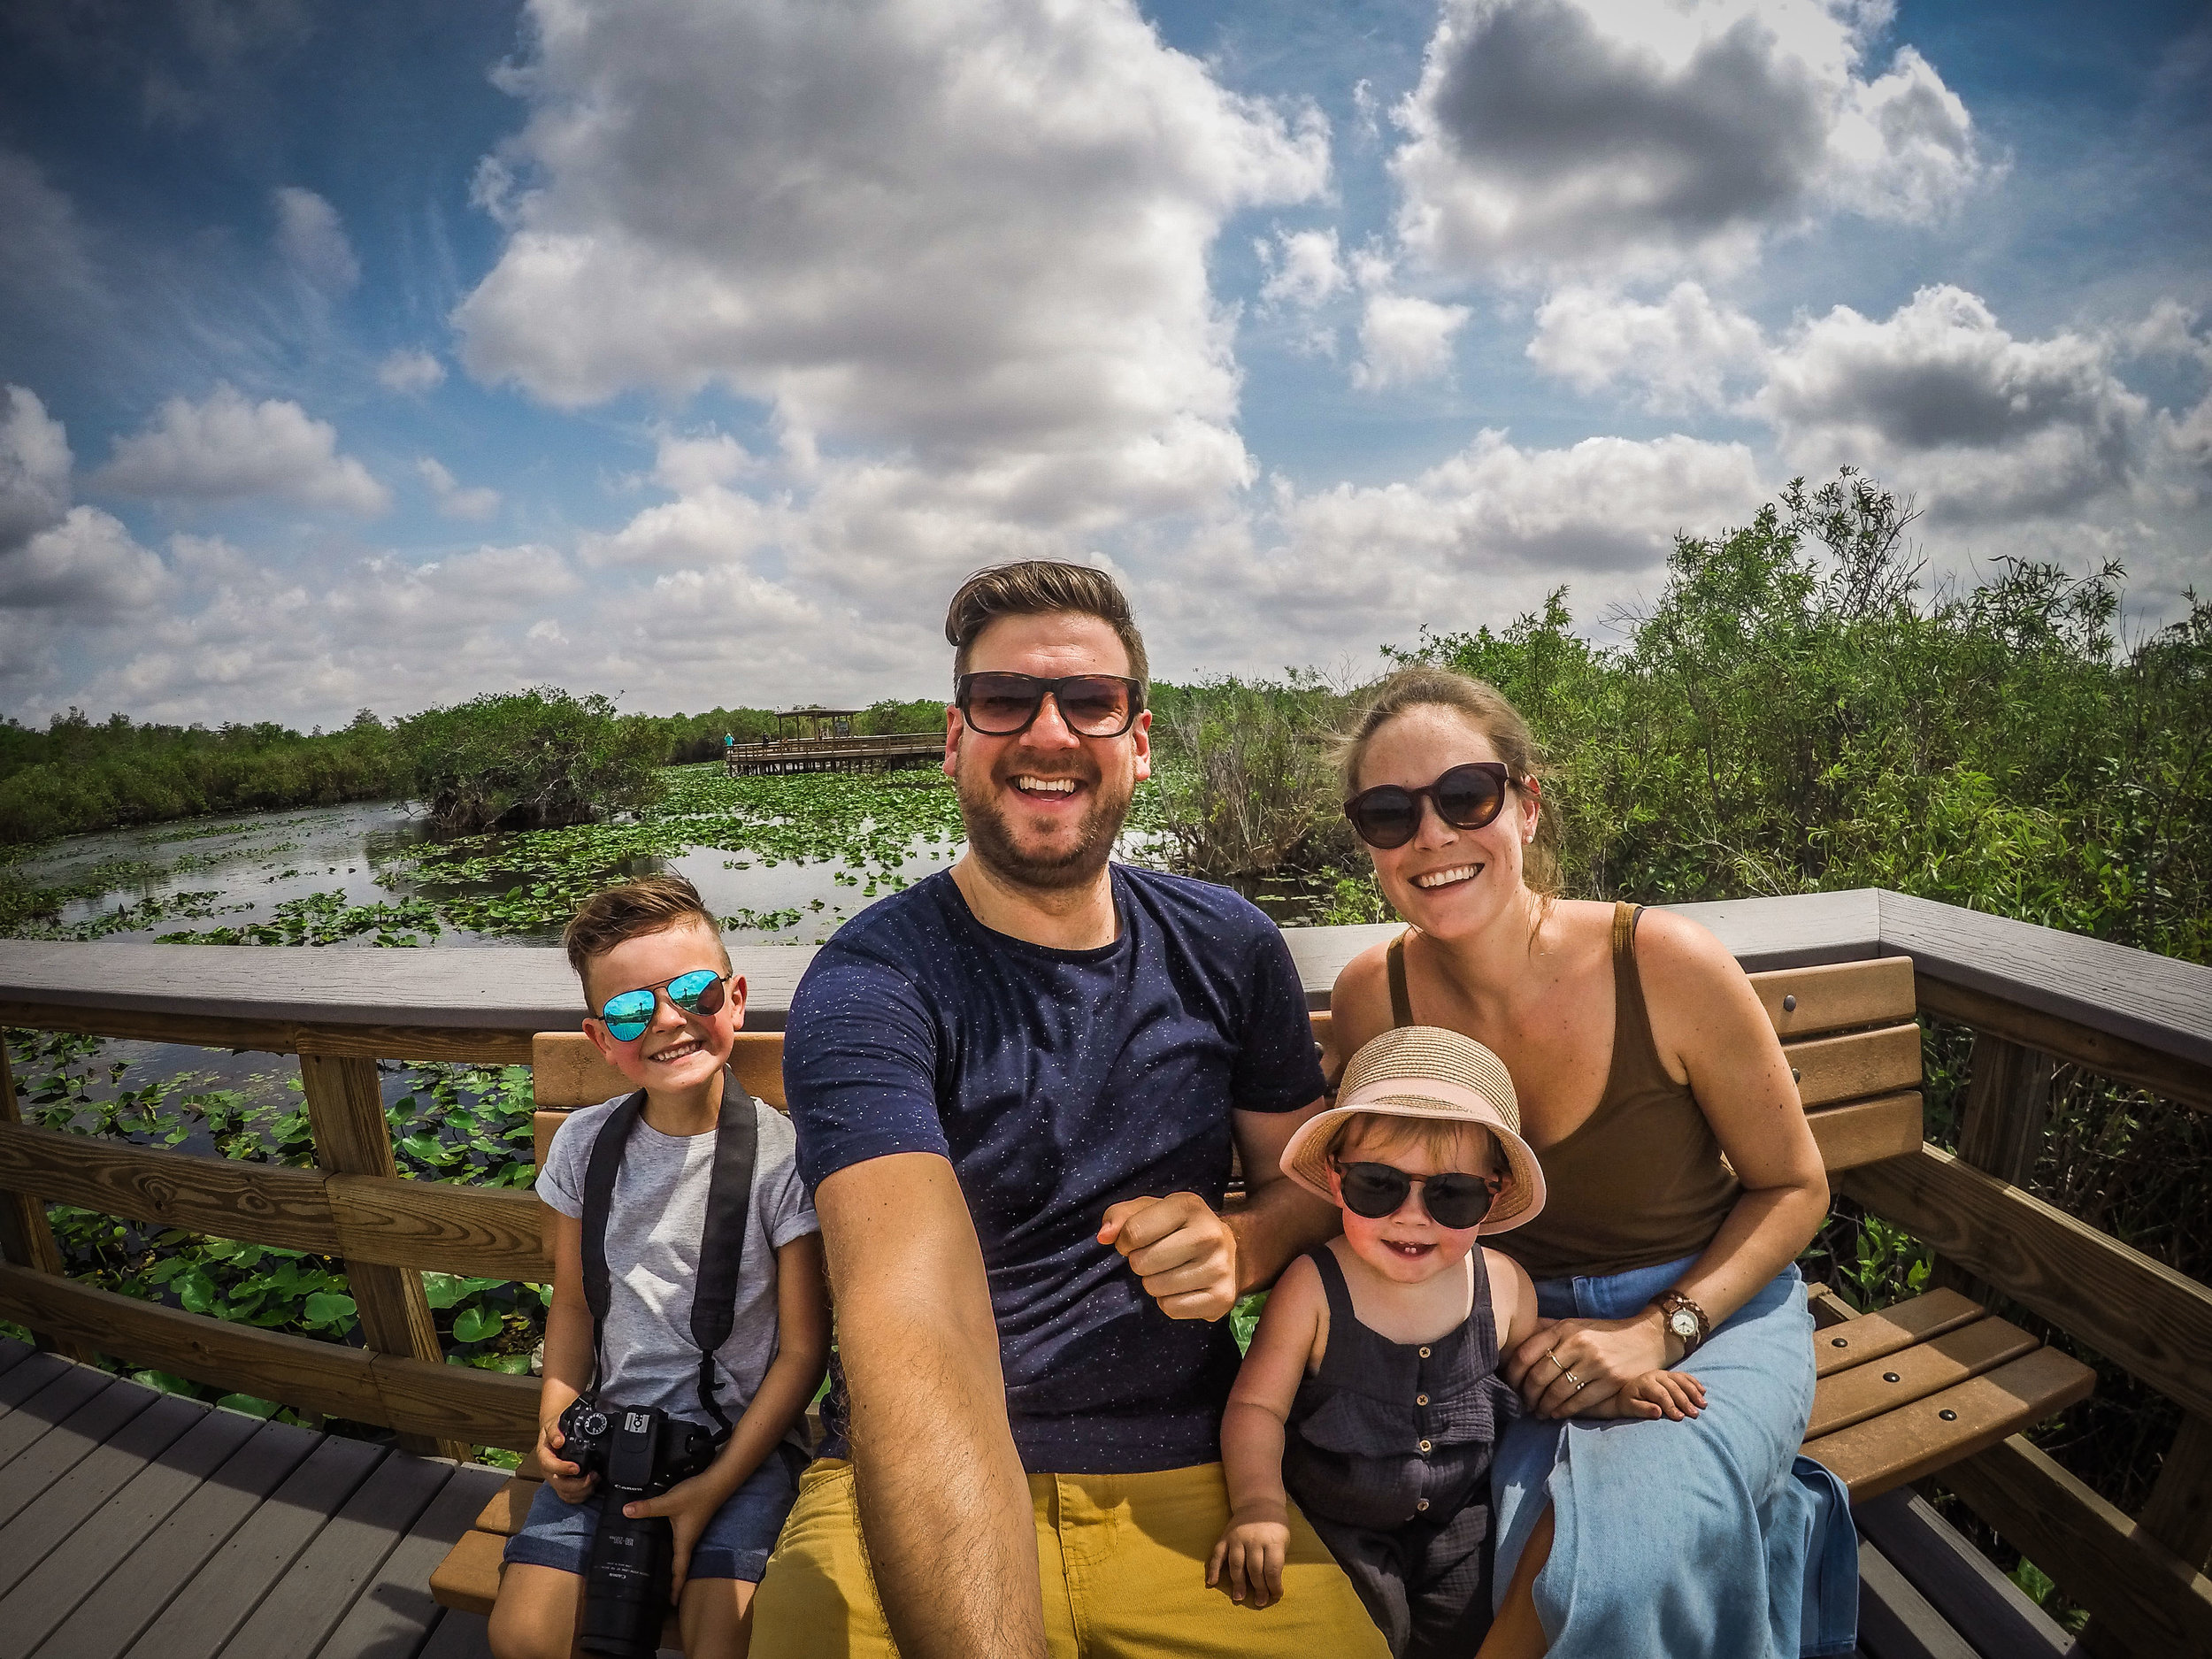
(1682, 955)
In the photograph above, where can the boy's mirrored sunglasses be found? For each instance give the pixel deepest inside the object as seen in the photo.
(1466, 797)
(1092, 705)
(701, 991)
(1453, 1200)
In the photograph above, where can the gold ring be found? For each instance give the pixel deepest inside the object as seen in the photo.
(1581, 1383)
(1551, 1353)
(1575, 1380)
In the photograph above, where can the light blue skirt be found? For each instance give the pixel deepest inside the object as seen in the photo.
(1710, 1536)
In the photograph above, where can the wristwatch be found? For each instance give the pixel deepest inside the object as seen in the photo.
(1684, 1320)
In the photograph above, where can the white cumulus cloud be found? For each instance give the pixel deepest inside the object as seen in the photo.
(409, 370)
(1607, 135)
(1940, 398)
(313, 239)
(1405, 340)
(35, 463)
(454, 501)
(1681, 352)
(230, 449)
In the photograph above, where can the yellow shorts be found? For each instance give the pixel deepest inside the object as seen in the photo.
(1122, 1559)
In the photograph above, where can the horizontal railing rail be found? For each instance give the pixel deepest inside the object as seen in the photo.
(2032, 996)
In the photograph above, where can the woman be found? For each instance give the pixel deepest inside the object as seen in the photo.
(1683, 1182)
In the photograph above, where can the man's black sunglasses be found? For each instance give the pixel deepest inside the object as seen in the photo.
(1466, 797)
(1092, 705)
(1453, 1200)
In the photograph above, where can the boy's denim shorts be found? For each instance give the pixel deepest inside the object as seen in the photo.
(736, 1544)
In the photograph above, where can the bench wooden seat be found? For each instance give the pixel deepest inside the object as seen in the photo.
(1900, 1393)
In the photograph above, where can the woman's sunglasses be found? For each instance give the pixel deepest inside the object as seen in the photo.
(1454, 1200)
(701, 991)
(1466, 797)
(1092, 705)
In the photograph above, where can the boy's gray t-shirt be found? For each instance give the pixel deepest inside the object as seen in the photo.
(654, 1226)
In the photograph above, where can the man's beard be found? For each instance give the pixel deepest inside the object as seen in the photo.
(992, 839)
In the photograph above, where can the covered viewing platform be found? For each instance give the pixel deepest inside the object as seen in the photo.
(816, 739)
(133, 1522)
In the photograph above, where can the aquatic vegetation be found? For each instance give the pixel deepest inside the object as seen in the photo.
(324, 918)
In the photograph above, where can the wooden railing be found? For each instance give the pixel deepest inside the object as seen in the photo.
(2032, 996)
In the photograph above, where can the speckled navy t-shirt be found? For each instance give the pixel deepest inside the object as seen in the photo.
(1058, 1082)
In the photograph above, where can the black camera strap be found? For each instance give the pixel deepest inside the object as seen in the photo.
(721, 1249)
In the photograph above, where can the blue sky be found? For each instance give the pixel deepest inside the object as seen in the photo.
(691, 350)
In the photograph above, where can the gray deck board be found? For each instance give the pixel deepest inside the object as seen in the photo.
(394, 1614)
(316, 1590)
(51, 1591)
(32, 1372)
(12, 1350)
(35, 1418)
(224, 1593)
(44, 1521)
(459, 1636)
(69, 1442)
(163, 1565)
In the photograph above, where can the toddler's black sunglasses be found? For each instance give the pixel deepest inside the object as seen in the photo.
(1466, 797)
(1092, 705)
(1453, 1200)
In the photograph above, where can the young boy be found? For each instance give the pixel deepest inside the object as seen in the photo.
(1372, 1394)
(664, 1011)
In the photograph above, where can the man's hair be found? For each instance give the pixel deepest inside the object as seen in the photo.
(650, 904)
(1036, 588)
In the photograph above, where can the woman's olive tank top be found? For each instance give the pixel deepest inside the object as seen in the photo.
(1642, 1181)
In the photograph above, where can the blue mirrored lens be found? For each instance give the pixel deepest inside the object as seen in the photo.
(628, 1014)
(686, 989)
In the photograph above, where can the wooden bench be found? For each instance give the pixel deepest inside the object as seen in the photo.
(1901, 1394)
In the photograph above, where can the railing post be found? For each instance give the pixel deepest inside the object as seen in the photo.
(2179, 1513)
(26, 1239)
(2007, 1103)
(345, 1106)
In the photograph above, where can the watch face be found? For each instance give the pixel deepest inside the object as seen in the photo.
(1683, 1323)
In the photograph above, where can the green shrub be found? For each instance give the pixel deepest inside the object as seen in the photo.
(535, 760)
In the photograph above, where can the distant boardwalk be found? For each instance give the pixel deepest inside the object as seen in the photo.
(834, 754)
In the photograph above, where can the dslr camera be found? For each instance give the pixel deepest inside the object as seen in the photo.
(637, 1452)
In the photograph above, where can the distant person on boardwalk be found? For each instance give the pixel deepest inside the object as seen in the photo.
(1682, 1181)
(1017, 1086)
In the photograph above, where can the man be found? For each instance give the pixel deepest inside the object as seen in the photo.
(1017, 1086)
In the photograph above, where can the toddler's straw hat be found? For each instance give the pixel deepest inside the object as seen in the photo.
(1426, 1071)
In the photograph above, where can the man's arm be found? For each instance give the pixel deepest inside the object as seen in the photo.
(944, 1506)
(1280, 1220)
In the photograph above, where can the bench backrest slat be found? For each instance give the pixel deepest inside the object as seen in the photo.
(1848, 1029)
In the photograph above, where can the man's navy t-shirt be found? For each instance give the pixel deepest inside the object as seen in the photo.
(1058, 1082)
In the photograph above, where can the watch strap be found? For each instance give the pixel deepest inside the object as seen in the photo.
(1674, 1301)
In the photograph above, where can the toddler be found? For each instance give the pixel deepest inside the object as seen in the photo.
(1372, 1394)
(665, 1009)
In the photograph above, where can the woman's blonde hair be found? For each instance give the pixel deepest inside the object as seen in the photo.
(1484, 708)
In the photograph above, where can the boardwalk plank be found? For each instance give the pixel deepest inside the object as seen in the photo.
(459, 1636)
(12, 1350)
(224, 1593)
(33, 1420)
(160, 1566)
(42, 1526)
(32, 1372)
(68, 1443)
(54, 1589)
(394, 1614)
(318, 1589)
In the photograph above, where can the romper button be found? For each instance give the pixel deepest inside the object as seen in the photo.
(1425, 1353)
(1420, 1399)
(1420, 1504)
(1424, 1446)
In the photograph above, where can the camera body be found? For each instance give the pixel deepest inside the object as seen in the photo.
(637, 1452)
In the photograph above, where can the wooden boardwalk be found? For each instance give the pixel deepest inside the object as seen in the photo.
(141, 1524)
